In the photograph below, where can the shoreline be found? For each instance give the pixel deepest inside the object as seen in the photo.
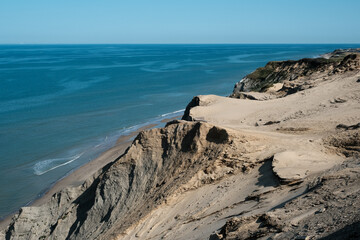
(207, 72)
(264, 162)
(79, 175)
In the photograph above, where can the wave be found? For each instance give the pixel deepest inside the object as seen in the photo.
(171, 113)
(98, 145)
(48, 165)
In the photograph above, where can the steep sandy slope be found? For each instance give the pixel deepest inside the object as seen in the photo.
(158, 163)
(306, 186)
(286, 166)
(306, 122)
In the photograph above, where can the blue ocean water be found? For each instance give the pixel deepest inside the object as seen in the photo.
(61, 105)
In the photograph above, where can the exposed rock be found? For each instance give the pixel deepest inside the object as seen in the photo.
(243, 95)
(194, 102)
(293, 73)
(338, 100)
(293, 87)
(346, 127)
(253, 227)
(155, 165)
(340, 52)
(293, 129)
(348, 141)
(271, 122)
(216, 236)
(253, 96)
(327, 210)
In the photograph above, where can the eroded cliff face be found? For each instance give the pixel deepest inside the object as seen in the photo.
(158, 162)
(327, 209)
(276, 167)
(294, 73)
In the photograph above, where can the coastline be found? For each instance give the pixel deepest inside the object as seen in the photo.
(80, 174)
(214, 76)
(266, 161)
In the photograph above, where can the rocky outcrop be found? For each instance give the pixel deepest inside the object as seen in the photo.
(158, 162)
(263, 78)
(254, 96)
(193, 103)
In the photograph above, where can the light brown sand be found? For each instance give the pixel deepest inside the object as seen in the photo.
(301, 122)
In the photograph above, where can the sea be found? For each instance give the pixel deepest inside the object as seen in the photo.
(62, 105)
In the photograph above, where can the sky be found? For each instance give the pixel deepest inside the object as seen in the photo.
(179, 21)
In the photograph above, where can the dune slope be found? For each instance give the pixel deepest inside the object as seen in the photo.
(281, 163)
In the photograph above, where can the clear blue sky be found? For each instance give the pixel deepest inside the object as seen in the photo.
(179, 21)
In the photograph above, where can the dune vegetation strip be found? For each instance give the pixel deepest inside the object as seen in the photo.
(277, 159)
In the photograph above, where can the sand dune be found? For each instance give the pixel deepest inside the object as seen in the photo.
(282, 163)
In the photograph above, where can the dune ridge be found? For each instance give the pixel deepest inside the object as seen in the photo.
(277, 159)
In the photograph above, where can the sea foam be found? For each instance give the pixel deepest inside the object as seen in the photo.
(48, 165)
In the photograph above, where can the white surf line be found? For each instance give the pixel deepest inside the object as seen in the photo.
(167, 114)
(60, 165)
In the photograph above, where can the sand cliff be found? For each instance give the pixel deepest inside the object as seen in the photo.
(279, 158)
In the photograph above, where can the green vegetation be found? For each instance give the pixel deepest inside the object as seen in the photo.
(279, 71)
(274, 72)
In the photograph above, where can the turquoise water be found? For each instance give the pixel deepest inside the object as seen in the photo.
(61, 105)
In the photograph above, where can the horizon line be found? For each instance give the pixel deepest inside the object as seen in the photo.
(173, 43)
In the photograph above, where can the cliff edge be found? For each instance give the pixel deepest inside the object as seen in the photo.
(288, 77)
(279, 164)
